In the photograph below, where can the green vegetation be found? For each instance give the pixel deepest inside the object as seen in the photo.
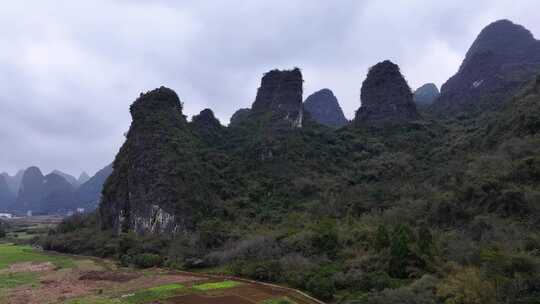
(10, 254)
(11, 280)
(216, 285)
(137, 297)
(442, 211)
(2, 230)
(154, 293)
(94, 300)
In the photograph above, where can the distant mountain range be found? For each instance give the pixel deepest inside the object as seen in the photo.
(56, 192)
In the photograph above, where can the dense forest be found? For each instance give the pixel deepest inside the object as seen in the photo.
(406, 206)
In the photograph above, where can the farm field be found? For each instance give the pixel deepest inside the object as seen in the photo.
(30, 276)
(26, 228)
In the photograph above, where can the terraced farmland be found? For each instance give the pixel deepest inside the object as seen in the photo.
(30, 276)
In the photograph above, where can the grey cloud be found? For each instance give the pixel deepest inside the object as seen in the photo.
(70, 69)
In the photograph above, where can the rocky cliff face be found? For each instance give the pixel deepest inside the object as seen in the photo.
(324, 108)
(386, 97)
(153, 187)
(280, 94)
(89, 193)
(426, 94)
(503, 57)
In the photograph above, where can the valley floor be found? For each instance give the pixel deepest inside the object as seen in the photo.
(30, 276)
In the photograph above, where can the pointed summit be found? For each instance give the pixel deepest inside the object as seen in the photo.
(153, 170)
(386, 97)
(68, 177)
(89, 193)
(207, 126)
(503, 57)
(324, 108)
(31, 190)
(239, 116)
(206, 118)
(83, 178)
(280, 93)
(502, 37)
(426, 94)
(149, 105)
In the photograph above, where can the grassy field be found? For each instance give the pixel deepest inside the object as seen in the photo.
(216, 285)
(27, 228)
(11, 280)
(11, 254)
(30, 276)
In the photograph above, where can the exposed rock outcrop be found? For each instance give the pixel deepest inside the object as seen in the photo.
(426, 94)
(324, 108)
(152, 187)
(386, 97)
(503, 57)
(280, 93)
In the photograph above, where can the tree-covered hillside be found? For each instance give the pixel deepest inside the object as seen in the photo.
(433, 211)
(437, 205)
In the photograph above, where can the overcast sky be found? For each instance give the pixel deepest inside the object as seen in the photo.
(70, 69)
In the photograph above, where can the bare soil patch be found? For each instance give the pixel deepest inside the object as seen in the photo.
(31, 267)
(50, 291)
(112, 276)
(255, 293)
(202, 299)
